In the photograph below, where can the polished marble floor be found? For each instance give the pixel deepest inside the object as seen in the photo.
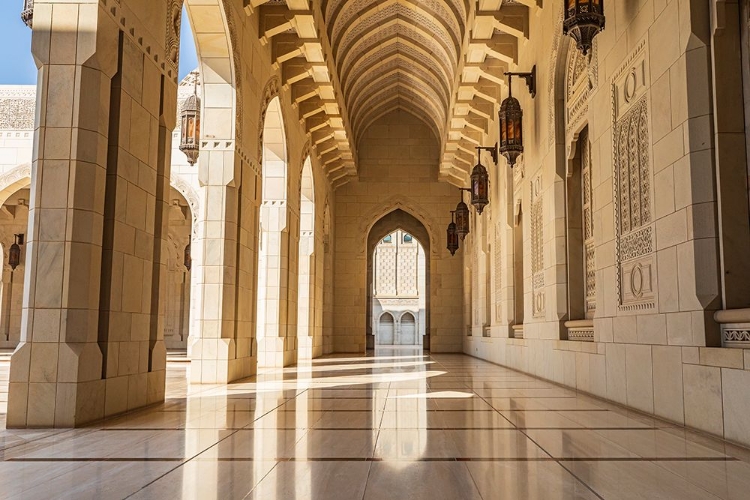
(399, 425)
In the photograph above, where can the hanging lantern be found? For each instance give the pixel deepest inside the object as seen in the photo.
(511, 128)
(191, 126)
(27, 14)
(480, 181)
(462, 217)
(14, 252)
(583, 20)
(187, 258)
(452, 236)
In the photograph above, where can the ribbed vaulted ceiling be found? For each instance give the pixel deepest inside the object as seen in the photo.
(392, 54)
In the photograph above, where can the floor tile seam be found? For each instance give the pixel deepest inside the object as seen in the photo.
(659, 464)
(83, 431)
(538, 445)
(60, 433)
(197, 458)
(185, 461)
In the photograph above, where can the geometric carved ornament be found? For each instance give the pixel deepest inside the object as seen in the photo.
(633, 184)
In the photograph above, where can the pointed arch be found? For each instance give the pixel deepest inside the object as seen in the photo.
(215, 34)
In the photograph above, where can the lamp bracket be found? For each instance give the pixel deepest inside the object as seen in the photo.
(492, 150)
(529, 77)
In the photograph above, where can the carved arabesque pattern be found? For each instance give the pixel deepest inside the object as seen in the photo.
(537, 248)
(17, 108)
(554, 54)
(589, 247)
(633, 168)
(174, 20)
(498, 272)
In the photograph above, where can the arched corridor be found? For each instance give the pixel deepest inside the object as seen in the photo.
(445, 249)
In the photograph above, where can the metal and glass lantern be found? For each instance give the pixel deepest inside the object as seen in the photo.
(462, 217)
(190, 116)
(510, 118)
(452, 236)
(27, 14)
(583, 20)
(14, 252)
(480, 183)
(511, 128)
(187, 258)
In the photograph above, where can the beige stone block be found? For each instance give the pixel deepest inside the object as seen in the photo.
(49, 263)
(616, 373)
(137, 390)
(46, 325)
(747, 359)
(18, 397)
(668, 150)
(668, 391)
(64, 33)
(669, 289)
(41, 404)
(660, 108)
(679, 329)
(694, 182)
(664, 186)
(652, 329)
(90, 401)
(703, 402)
(721, 357)
(60, 92)
(57, 144)
(671, 230)
(625, 329)
(701, 221)
(20, 363)
(691, 355)
(736, 400)
(116, 400)
(54, 173)
(663, 44)
(640, 377)
(43, 362)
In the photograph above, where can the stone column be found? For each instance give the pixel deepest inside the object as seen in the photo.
(91, 339)
(274, 346)
(221, 339)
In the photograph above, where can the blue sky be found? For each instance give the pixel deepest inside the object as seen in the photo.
(17, 66)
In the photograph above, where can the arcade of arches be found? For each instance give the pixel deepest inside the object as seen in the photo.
(605, 286)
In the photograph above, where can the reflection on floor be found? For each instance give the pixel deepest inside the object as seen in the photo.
(398, 425)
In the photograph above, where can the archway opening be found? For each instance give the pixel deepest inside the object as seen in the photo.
(275, 347)
(307, 340)
(179, 265)
(398, 283)
(14, 220)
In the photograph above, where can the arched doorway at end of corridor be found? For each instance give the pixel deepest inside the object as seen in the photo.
(398, 282)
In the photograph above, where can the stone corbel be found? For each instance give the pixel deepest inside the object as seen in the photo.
(510, 19)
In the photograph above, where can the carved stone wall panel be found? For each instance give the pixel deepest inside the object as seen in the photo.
(587, 214)
(172, 36)
(498, 273)
(17, 107)
(580, 83)
(537, 247)
(633, 184)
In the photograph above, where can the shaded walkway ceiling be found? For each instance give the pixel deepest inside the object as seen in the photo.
(349, 62)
